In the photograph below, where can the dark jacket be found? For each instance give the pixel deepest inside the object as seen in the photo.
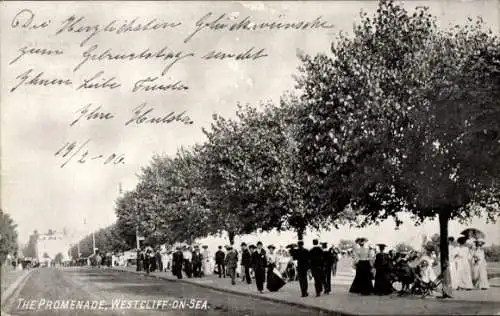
(302, 257)
(316, 256)
(178, 257)
(246, 258)
(232, 259)
(259, 260)
(219, 257)
(197, 258)
(328, 258)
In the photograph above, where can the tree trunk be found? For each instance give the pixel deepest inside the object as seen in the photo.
(300, 233)
(231, 235)
(444, 217)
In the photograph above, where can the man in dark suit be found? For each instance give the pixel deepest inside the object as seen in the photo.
(316, 257)
(197, 262)
(246, 262)
(177, 261)
(327, 269)
(159, 263)
(302, 256)
(231, 262)
(259, 263)
(220, 257)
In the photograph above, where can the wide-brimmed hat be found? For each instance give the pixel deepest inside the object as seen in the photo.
(252, 246)
(480, 241)
(204, 246)
(360, 240)
(271, 247)
(462, 240)
(381, 245)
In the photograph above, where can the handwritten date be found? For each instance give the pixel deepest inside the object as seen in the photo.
(72, 150)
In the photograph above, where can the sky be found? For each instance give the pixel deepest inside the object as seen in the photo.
(35, 120)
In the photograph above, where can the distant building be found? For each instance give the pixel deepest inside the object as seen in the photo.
(50, 244)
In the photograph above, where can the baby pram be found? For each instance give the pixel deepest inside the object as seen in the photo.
(403, 274)
(422, 285)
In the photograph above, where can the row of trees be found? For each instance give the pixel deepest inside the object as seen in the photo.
(400, 117)
(8, 236)
(106, 239)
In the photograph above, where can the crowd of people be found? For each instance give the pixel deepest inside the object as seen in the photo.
(376, 270)
(253, 262)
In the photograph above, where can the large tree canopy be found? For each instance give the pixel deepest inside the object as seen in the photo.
(8, 236)
(405, 117)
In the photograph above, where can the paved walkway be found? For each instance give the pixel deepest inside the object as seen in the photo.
(8, 275)
(345, 303)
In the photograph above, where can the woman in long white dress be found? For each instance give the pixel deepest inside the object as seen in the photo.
(426, 263)
(206, 265)
(452, 259)
(464, 275)
(481, 280)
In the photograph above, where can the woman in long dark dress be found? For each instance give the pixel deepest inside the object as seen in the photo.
(274, 279)
(362, 283)
(383, 267)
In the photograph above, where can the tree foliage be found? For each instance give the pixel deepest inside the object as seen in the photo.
(30, 249)
(8, 235)
(107, 239)
(404, 117)
(492, 253)
(58, 258)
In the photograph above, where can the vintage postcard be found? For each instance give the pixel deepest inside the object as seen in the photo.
(250, 157)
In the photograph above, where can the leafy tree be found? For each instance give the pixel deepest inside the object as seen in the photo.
(128, 220)
(252, 175)
(8, 236)
(404, 117)
(230, 180)
(30, 250)
(58, 258)
(189, 212)
(492, 253)
(106, 239)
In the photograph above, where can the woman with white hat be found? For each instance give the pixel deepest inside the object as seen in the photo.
(481, 279)
(426, 264)
(464, 277)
